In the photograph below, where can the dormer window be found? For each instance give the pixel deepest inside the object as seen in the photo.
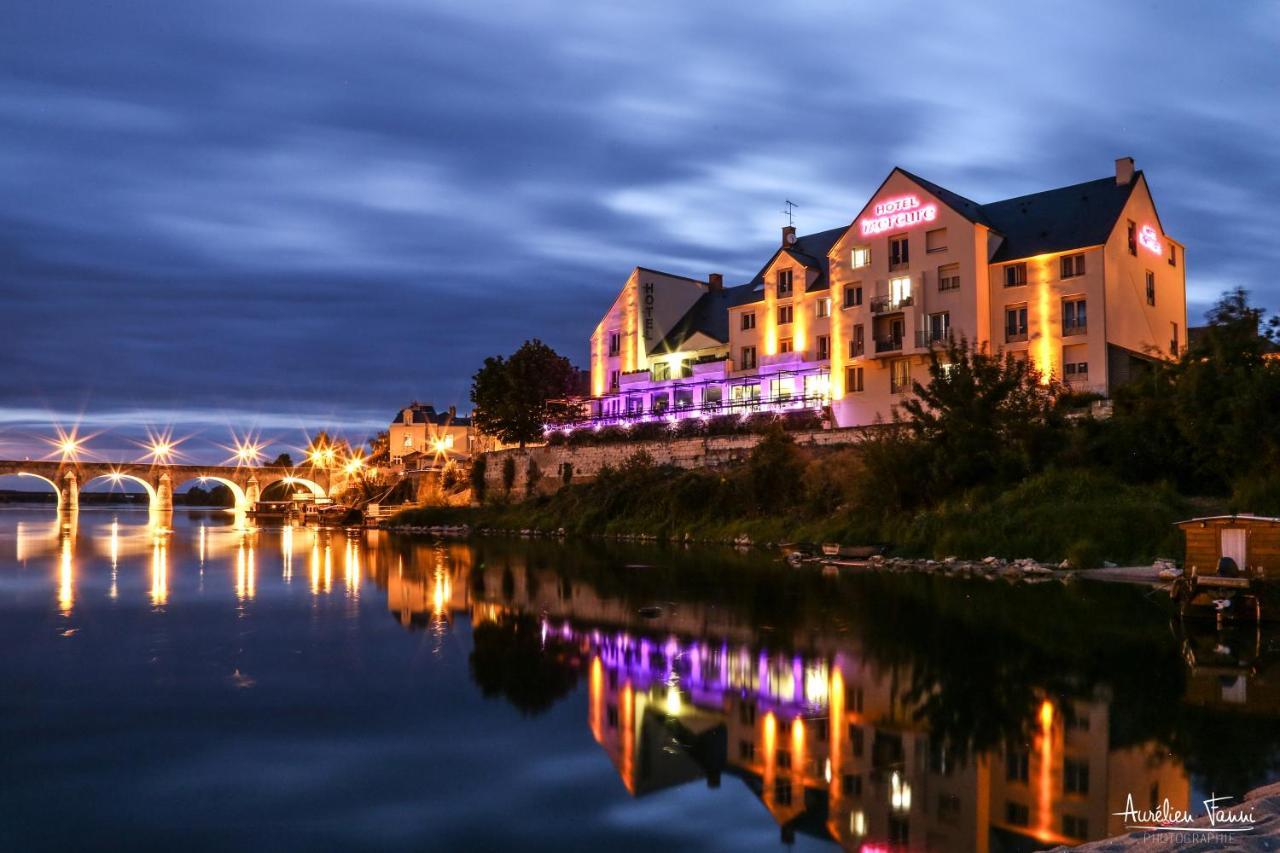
(784, 282)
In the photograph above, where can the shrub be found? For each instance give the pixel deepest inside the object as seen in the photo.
(802, 420)
(612, 435)
(651, 431)
(761, 422)
(775, 471)
(556, 438)
(508, 473)
(725, 425)
(690, 428)
(1258, 494)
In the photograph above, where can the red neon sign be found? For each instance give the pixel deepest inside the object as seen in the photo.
(901, 212)
(1150, 240)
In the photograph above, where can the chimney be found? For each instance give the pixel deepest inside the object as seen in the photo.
(715, 282)
(788, 235)
(1124, 171)
(453, 412)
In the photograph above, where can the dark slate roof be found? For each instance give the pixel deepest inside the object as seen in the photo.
(1058, 220)
(967, 208)
(709, 315)
(810, 250)
(427, 414)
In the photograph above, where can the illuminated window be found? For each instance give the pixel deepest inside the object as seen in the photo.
(858, 342)
(408, 440)
(1075, 317)
(661, 371)
(1075, 827)
(935, 240)
(1070, 266)
(861, 257)
(1015, 323)
(853, 379)
(748, 320)
(1151, 288)
(899, 253)
(748, 358)
(1133, 238)
(823, 307)
(853, 296)
(900, 291)
(781, 389)
(785, 314)
(899, 376)
(784, 282)
(785, 345)
(949, 277)
(1015, 275)
(615, 343)
(743, 393)
(823, 343)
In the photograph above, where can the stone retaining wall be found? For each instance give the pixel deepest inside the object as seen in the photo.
(704, 452)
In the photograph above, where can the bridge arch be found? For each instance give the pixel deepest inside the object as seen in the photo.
(57, 490)
(242, 500)
(316, 488)
(117, 476)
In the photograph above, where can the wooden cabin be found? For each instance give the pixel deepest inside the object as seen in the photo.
(1252, 541)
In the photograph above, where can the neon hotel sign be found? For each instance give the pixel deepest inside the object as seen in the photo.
(901, 212)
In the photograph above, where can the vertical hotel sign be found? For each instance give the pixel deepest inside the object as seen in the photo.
(648, 312)
(894, 213)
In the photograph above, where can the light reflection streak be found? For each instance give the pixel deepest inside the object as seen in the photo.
(286, 553)
(115, 558)
(159, 571)
(66, 577)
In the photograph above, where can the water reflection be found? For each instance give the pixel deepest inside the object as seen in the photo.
(874, 712)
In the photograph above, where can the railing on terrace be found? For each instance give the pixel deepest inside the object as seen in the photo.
(887, 304)
(926, 338)
(1013, 335)
(781, 403)
(888, 344)
(1069, 329)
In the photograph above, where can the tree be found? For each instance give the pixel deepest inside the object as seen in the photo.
(515, 397)
(980, 418)
(284, 460)
(379, 448)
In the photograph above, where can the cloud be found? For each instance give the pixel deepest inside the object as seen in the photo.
(314, 207)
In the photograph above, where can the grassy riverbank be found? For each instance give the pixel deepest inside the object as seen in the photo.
(1083, 516)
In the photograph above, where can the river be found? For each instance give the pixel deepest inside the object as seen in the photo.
(206, 687)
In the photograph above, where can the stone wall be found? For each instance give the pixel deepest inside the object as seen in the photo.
(705, 452)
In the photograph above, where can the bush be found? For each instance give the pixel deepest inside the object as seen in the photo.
(761, 422)
(802, 420)
(775, 471)
(1258, 494)
(557, 438)
(651, 431)
(612, 435)
(725, 425)
(690, 428)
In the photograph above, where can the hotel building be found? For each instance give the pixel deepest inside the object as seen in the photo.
(1082, 280)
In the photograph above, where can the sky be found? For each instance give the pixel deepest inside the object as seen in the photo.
(290, 216)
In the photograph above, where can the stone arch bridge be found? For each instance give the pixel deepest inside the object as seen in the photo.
(160, 481)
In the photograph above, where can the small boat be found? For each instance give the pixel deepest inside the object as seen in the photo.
(851, 552)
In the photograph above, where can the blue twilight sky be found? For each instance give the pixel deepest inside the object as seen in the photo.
(294, 215)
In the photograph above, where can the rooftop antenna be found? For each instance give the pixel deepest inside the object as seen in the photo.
(791, 206)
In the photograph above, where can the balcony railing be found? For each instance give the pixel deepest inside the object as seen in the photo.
(1014, 335)
(888, 344)
(1069, 329)
(887, 304)
(857, 348)
(781, 402)
(926, 338)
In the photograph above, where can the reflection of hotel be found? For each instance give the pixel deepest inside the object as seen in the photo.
(1081, 280)
(828, 742)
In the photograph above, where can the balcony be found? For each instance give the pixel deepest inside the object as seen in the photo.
(887, 304)
(927, 338)
(892, 344)
(1013, 336)
(1069, 329)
